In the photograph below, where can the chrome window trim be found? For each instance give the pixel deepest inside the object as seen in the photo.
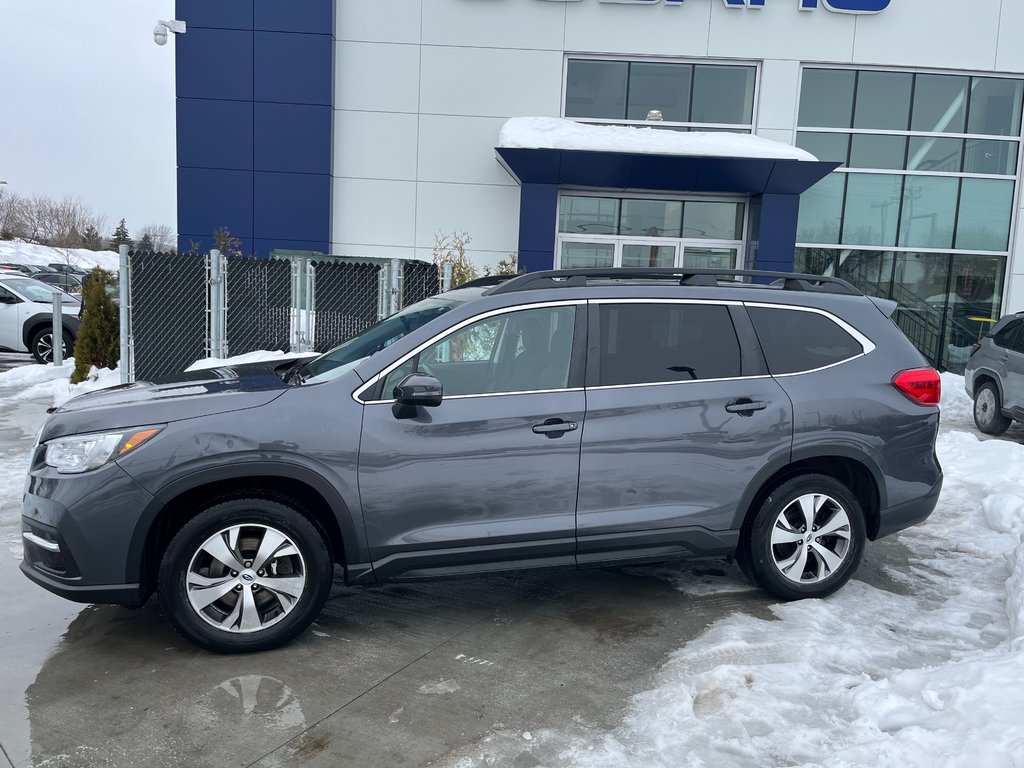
(448, 332)
(659, 300)
(670, 383)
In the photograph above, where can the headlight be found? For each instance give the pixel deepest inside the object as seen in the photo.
(75, 454)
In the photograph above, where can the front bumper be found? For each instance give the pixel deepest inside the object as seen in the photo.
(77, 532)
(895, 519)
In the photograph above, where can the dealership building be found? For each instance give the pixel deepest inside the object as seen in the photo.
(367, 128)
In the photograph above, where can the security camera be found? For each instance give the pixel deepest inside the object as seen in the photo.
(163, 27)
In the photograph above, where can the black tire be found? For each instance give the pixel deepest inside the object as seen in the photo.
(285, 618)
(760, 559)
(41, 345)
(988, 410)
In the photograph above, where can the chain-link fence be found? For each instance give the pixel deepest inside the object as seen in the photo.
(185, 307)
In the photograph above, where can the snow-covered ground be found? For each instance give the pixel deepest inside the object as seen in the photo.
(926, 675)
(20, 252)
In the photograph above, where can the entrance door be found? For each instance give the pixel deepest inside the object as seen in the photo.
(487, 479)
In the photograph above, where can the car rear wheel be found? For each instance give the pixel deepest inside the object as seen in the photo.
(806, 540)
(988, 410)
(41, 345)
(245, 575)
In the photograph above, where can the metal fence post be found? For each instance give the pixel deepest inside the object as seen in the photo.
(124, 311)
(446, 277)
(295, 329)
(57, 330)
(308, 328)
(396, 286)
(218, 342)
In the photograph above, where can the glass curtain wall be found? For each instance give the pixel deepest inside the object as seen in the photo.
(922, 209)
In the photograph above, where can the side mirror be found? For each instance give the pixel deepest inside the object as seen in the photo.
(419, 389)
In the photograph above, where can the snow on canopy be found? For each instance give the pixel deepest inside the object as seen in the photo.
(560, 133)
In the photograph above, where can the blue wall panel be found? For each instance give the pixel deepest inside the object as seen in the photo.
(215, 134)
(219, 14)
(316, 16)
(291, 137)
(211, 199)
(292, 206)
(214, 64)
(776, 242)
(292, 68)
(538, 211)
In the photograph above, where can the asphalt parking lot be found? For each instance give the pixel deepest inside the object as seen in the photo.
(449, 673)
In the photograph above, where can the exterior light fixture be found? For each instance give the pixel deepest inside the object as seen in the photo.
(654, 116)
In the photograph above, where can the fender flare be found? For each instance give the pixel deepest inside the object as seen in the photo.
(33, 322)
(988, 373)
(352, 540)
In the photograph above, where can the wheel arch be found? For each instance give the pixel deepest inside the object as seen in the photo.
(183, 499)
(983, 376)
(34, 323)
(856, 471)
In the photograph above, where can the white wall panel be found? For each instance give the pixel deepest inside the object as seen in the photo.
(780, 82)
(375, 145)
(374, 212)
(379, 21)
(460, 149)
(490, 24)
(490, 214)
(380, 77)
(493, 82)
(1010, 53)
(660, 30)
(781, 31)
(777, 134)
(931, 33)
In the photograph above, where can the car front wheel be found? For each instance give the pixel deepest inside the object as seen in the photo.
(988, 410)
(41, 345)
(806, 540)
(245, 575)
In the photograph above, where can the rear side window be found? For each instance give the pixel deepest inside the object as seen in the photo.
(656, 343)
(1005, 338)
(795, 341)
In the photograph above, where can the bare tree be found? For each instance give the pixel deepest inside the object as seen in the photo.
(12, 214)
(163, 237)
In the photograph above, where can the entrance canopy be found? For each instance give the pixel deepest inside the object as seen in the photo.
(546, 154)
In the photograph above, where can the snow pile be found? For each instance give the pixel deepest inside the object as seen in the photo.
(46, 382)
(250, 357)
(559, 133)
(957, 405)
(927, 674)
(20, 252)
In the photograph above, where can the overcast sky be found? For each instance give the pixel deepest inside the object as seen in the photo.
(87, 105)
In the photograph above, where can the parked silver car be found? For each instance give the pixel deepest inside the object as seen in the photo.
(994, 376)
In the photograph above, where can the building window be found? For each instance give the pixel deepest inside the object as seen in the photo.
(922, 209)
(689, 96)
(649, 232)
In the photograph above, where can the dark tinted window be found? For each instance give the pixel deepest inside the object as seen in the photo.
(1005, 336)
(796, 341)
(647, 343)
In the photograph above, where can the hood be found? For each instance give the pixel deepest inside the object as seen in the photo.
(183, 396)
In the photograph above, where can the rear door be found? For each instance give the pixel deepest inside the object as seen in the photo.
(680, 418)
(1014, 394)
(1004, 358)
(10, 320)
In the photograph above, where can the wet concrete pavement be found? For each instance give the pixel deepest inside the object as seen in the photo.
(398, 675)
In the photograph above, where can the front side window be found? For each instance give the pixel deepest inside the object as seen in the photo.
(522, 351)
(795, 341)
(650, 343)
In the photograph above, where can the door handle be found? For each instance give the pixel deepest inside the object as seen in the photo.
(745, 406)
(554, 427)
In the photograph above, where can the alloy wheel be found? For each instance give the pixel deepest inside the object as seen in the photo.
(245, 578)
(44, 346)
(810, 538)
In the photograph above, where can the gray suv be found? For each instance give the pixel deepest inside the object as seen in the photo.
(994, 376)
(571, 419)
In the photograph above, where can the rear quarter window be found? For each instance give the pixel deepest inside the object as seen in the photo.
(1006, 336)
(794, 340)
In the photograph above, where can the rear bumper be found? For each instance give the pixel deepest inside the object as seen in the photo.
(895, 519)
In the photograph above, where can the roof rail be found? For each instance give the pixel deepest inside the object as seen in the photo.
(485, 282)
(578, 278)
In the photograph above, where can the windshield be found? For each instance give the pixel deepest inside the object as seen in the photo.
(34, 290)
(346, 356)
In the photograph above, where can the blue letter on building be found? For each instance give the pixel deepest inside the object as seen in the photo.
(847, 6)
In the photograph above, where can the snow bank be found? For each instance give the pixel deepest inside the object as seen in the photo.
(250, 357)
(45, 382)
(28, 253)
(559, 133)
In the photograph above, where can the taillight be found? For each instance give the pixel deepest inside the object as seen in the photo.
(921, 385)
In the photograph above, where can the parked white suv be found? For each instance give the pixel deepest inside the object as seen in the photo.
(26, 317)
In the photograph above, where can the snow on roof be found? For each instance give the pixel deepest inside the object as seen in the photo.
(560, 133)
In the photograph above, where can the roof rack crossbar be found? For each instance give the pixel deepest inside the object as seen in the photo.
(577, 278)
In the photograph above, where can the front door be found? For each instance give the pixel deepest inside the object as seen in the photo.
(676, 429)
(487, 480)
(10, 321)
